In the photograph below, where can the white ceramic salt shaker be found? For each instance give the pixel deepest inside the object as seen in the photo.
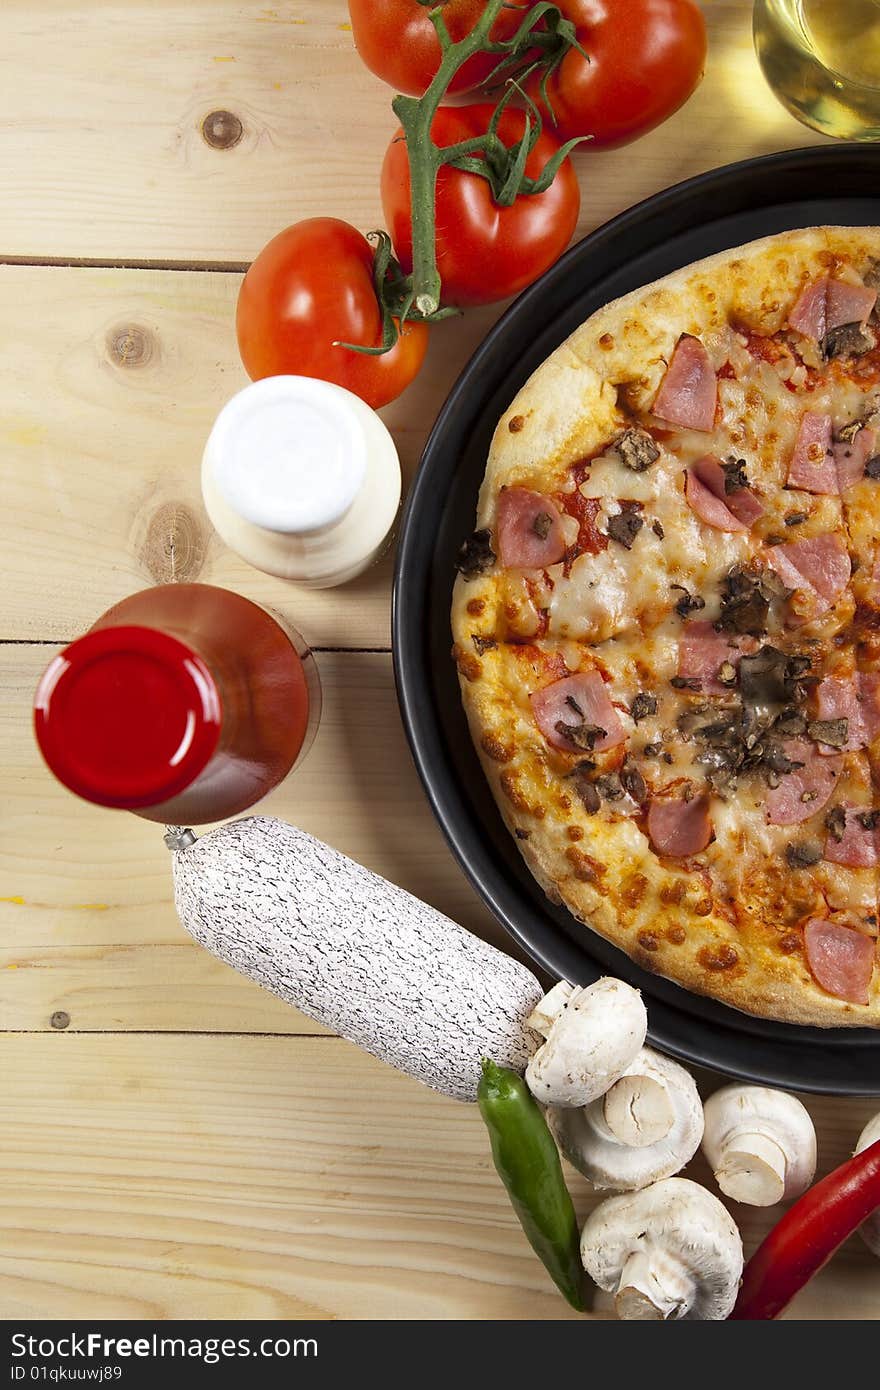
(301, 479)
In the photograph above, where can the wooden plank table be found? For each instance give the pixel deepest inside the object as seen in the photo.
(173, 1141)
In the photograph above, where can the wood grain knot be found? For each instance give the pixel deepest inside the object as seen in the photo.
(130, 345)
(60, 1019)
(174, 548)
(222, 130)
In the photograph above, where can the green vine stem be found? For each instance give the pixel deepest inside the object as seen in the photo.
(416, 116)
(417, 296)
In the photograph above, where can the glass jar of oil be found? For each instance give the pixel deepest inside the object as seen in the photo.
(822, 59)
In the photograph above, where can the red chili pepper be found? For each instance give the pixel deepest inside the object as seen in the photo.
(808, 1235)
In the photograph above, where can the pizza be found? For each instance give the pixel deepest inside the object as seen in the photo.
(667, 625)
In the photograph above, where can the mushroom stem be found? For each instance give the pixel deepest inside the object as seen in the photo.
(751, 1168)
(760, 1143)
(654, 1286)
(638, 1111)
(546, 1012)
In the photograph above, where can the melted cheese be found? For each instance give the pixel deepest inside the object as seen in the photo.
(596, 601)
(620, 591)
(608, 477)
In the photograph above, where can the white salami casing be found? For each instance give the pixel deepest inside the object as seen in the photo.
(356, 953)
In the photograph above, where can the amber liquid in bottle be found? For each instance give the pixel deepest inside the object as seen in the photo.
(269, 694)
(822, 60)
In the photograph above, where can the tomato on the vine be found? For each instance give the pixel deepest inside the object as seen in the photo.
(310, 289)
(484, 252)
(397, 41)
(646, 58)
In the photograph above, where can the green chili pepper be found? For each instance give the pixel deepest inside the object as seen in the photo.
(528, 1164)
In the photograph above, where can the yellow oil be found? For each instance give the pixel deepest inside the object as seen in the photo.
(822, 59)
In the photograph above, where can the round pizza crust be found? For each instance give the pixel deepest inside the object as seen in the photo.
(656, 910)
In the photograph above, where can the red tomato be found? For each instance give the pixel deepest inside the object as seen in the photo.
(398, 42)
(484, 252)
(312, 287)
(646, 58)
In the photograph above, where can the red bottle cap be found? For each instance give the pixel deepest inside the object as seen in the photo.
(127, 716)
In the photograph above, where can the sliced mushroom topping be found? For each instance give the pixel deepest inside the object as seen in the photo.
(483, 644)
(726, 673)
(642, 706)
(657, 528)
(743, 741)
(583, 768)
(796, 518)
(777, 760)
(799, 664)
(768, 678)
(772, 585)
(847, 433)
(872, 468)
(765, 677)
(476, 555)
(588, 795)
(582, 735)
(542, 524)
(802, 854)
(790, 724)
(690, 719)
(610, 787)
(632, 781)
(746, 594)
(720, 770)
(835, 823)
(688, 603)
(584, 787)
(834, 732)
(636, 449)
(735, 476)
(624, 527)
(849, 340)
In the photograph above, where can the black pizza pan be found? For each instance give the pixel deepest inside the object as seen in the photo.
(832, 184)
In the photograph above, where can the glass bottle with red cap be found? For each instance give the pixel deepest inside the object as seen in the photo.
(185, 703)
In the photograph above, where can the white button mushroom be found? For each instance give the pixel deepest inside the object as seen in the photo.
(760, 1143)
(591, 1034)
(646, 1127)
(870, 1229)
(670, 1251)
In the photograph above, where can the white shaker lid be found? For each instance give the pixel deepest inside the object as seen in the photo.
(289, 453)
